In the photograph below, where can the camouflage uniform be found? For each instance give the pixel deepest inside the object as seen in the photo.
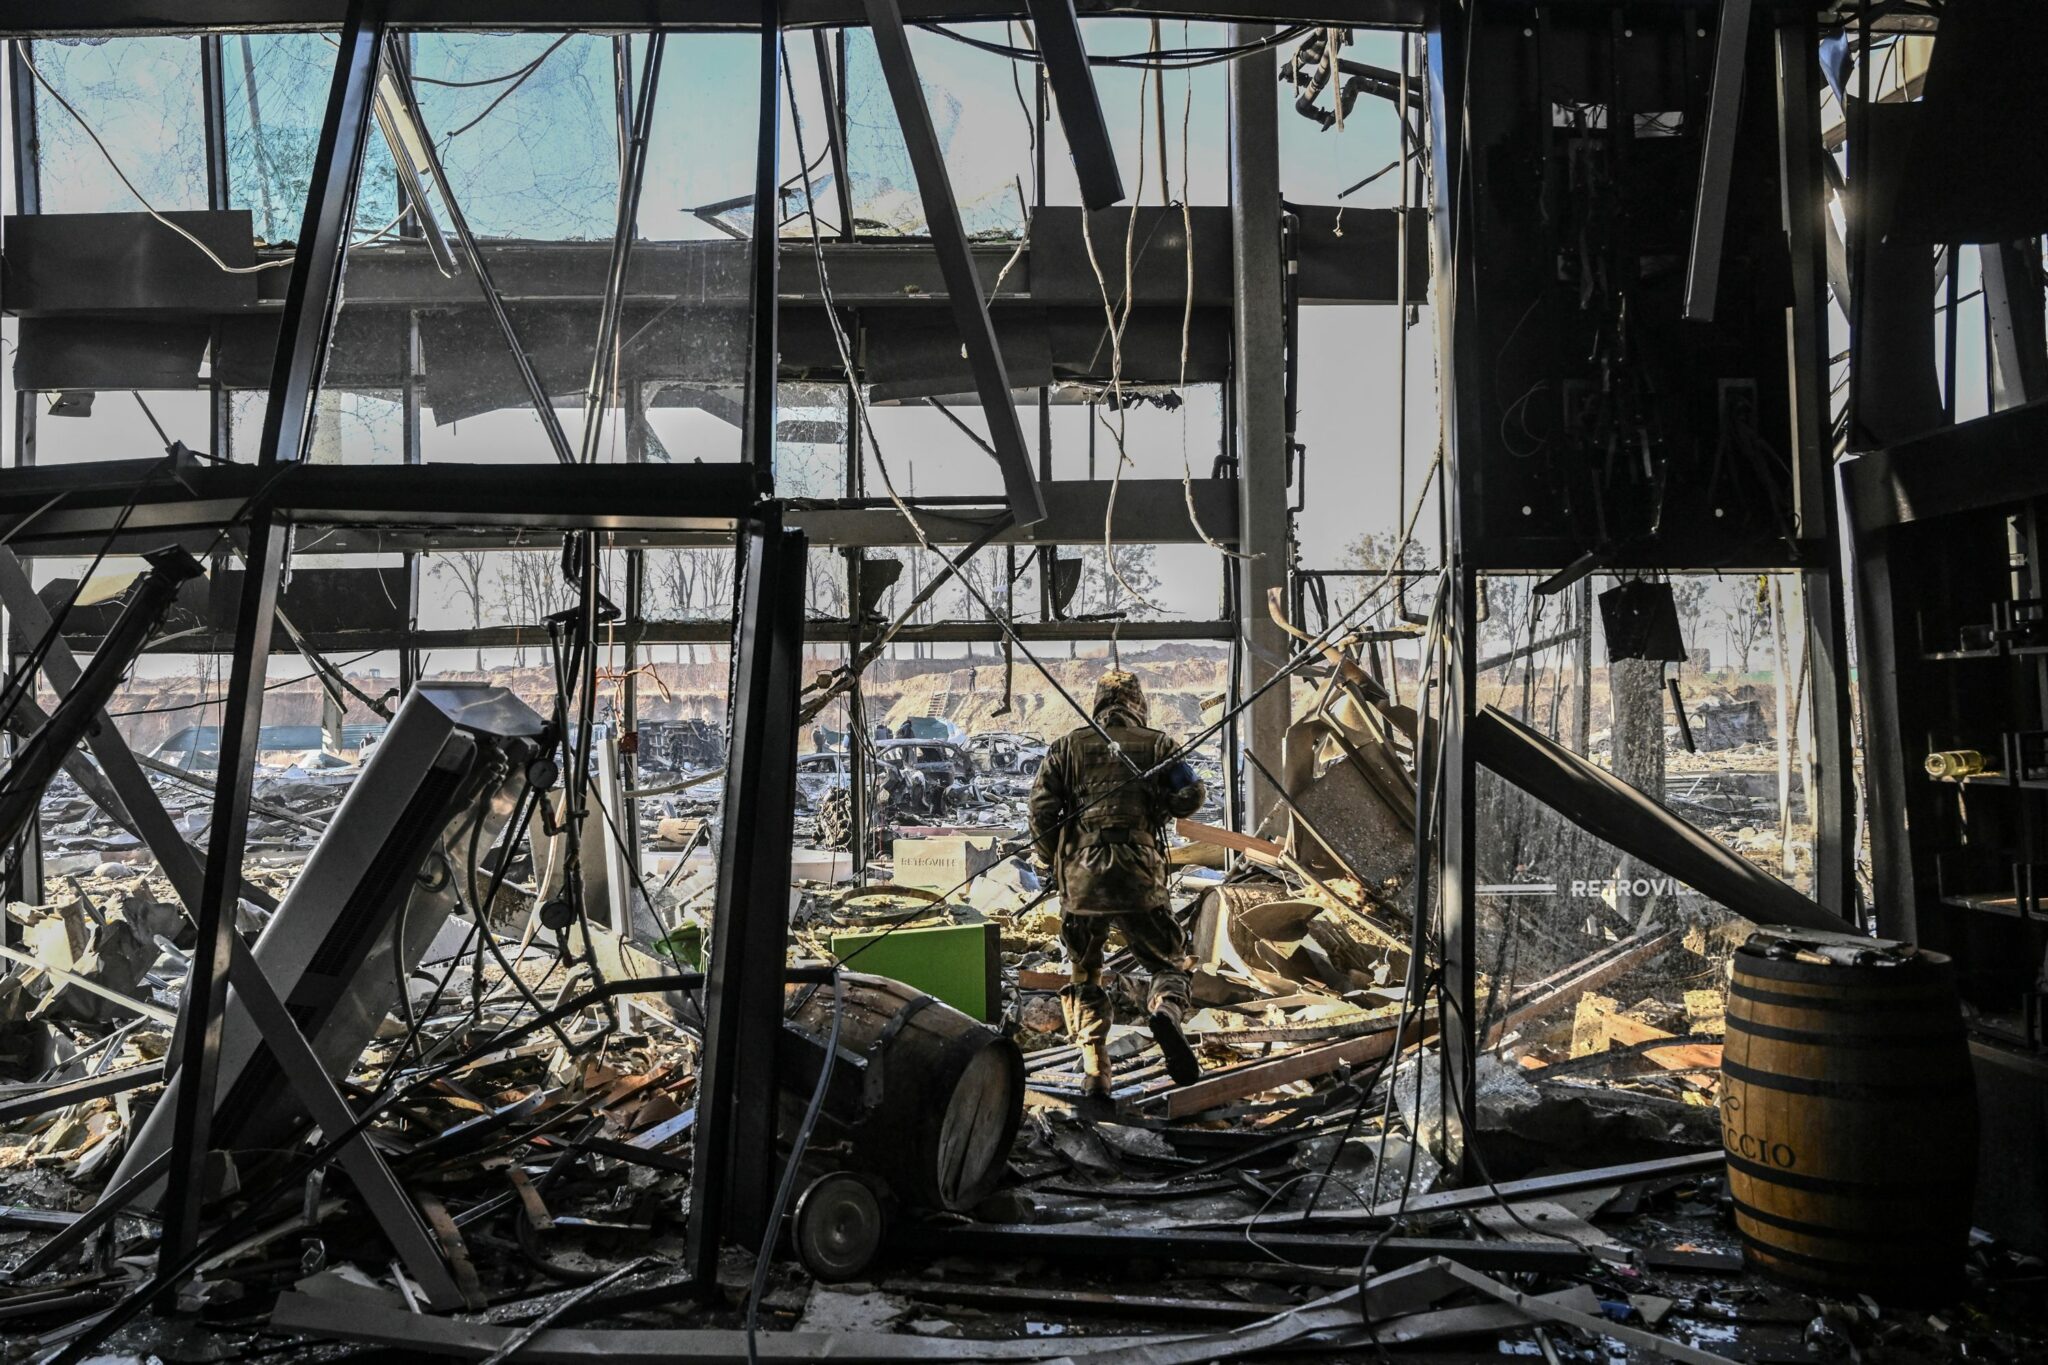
(1101, 829)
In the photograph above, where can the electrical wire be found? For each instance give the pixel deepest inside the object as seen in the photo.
(787, 1187)
(518, 79)
(389, 1094)
(216, 701)
(1116, 326)
(1171, 60)
(21, 50)
(517, 73)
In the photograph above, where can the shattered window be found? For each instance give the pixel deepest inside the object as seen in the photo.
(983, 108)
(1738, 763)
(117, 221)
(142, 97)
(525, 138)
(1551, 897)
(811, 436)
(978, 105)
(273, 97)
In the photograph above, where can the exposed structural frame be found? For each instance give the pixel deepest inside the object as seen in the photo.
(155, 16)
(302, 340)
(1471, 737)
(956, 261)
(263, 511)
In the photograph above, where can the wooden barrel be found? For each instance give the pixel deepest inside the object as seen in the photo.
(937, 1098)
(1849, 1115)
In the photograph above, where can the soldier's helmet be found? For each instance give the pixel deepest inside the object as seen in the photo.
(1123, 690)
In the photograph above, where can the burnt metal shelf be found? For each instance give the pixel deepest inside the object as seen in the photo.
(1987, 903)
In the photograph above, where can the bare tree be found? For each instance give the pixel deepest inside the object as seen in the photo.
(1129, 590)
(1372, 554)
(1746, 621)
(1689, 596)
(693, 584)
(464, 571)
(825, 585)
(533, 589)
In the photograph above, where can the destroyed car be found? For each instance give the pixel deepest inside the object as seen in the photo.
(1003, 754)
(906, 769)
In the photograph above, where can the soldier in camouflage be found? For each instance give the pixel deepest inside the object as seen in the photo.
(1099, 812)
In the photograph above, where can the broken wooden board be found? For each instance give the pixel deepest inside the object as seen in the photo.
(1599, 1025)
(1254, 1078)
(1264, 852)
(1541, 997)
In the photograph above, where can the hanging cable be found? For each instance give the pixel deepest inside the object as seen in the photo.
(21, 50)
(1175, 60)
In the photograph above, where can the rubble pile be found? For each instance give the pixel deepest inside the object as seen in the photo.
(1299, 1196)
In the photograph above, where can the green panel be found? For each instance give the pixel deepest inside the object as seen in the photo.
(957, 963)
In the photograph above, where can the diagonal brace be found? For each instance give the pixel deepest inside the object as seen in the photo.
(1079, 103)
(956, 264)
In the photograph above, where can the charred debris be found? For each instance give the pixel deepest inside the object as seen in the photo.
(950, 1193)
(554, 559)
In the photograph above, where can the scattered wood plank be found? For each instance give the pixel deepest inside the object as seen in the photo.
(1600, 1027)
(1264, 852)
(1541, 997)
(1225, 1087)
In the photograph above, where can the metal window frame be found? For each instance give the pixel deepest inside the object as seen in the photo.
(266, 509)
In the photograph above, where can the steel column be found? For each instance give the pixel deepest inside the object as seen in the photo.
(956, 261)
(835, 134)
(1717, 161)
(2014, 321)
(1258, 375)
(758, 434)
(302, 341)
(733, 1171)
(1832, 803)
(1462, 371)
(25, 870)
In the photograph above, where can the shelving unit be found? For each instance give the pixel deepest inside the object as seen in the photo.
(1963, 861)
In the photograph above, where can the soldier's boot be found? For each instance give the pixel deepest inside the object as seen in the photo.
(1095, 1070)
(1168, 1001)
(1086, 1007)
